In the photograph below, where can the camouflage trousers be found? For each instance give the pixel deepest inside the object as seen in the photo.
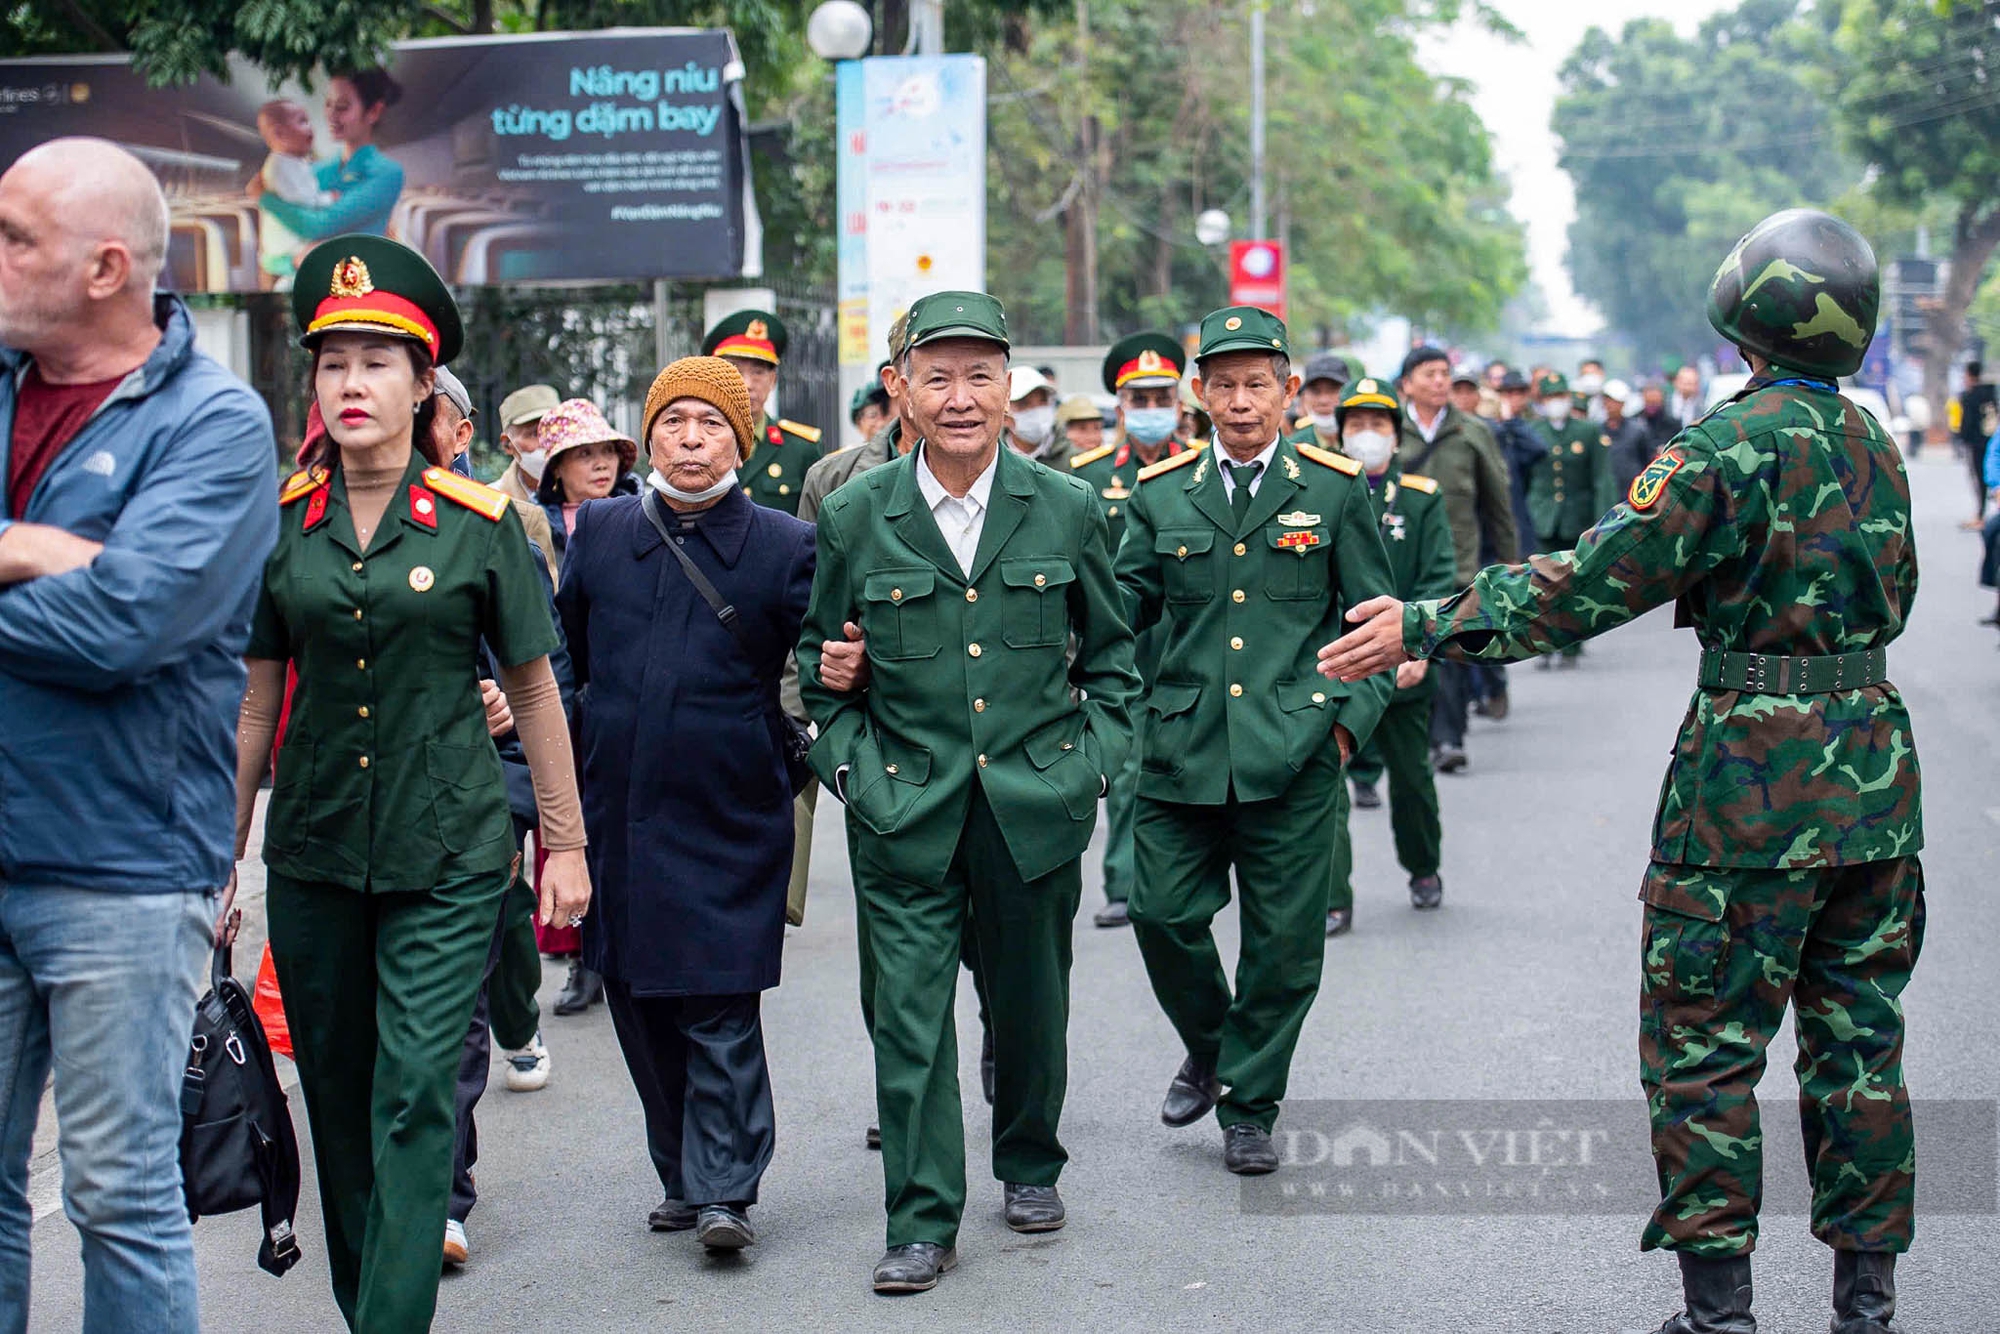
(1724, 951)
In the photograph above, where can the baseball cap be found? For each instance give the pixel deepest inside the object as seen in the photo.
(530, 402)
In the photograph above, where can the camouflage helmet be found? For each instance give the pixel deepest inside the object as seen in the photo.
(1801, 290)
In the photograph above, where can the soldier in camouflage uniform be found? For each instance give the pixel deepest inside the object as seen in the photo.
(1784, 859)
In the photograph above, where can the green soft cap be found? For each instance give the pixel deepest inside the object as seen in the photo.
(1242, 329)
(956, 315)
(1551, 385)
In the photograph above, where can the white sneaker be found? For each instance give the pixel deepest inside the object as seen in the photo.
(456, 1247)
(528, 1068)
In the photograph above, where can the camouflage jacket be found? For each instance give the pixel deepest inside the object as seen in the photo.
(1781, 523)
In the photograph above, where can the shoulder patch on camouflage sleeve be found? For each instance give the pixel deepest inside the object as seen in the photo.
(809, 434)
(1650, 485)
(1152, 470)
(475, 496)
(1418, 482)
(1337, 462)
(1090, 456)
(301, 483)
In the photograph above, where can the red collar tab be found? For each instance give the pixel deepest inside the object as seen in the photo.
(1124, 454)
(315, 508)
(423, 507)
(774, 435)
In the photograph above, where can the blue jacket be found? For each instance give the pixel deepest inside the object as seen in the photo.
(120, 682)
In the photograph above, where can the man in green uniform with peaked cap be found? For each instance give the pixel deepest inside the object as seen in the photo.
(1784, 860)
(774, 471)
(1144, 371)
(1422, 564)
(971, 754)
(1570, 486)
(1244, 554)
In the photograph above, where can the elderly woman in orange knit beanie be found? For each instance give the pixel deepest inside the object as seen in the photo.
(686, 795)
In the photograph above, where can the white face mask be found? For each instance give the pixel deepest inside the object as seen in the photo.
(723, 484)
(1370, 449)
(1556, 410)
(1589, 385)
(533, 461)
(1326, 421)
(1034, 425)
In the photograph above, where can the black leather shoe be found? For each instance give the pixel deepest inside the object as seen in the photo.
(1716, 1294)
(670, 1215)
(1864, 1292)
(1338, 921)
(914, 1267)
(1449, 759)
(724, 1227)
(1366, 797)
(1192, 1093)
(1114, 913)
(1247, 1150)
(1034, 1208)
(581, 990)
(986, 1063)
(873, 1139)
(1426, 891)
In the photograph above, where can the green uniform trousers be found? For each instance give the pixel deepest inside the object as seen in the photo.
(915, 935)
(517, 973)
(379, 990)
(1725, 950)
(1402, 740)
(1120, 805)
(1284, 865)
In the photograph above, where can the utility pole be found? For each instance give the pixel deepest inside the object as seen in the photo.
(1257, 230)
(927, 27)
(1080, 218)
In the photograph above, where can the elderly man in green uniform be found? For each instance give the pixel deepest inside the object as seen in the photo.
(1422, 564)
(971, 753)
(1570, 486)
(774, 471)
(1144, 371)
(1244, 555)
(1784, 860)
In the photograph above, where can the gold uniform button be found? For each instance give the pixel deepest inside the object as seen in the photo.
(895, 595)
(1236, 641)
(1111, 513)
(357, 567)
(889, 768)
(1068, 746)
(1181, 552)
(972, 595)
(982, 761)
(362, 711)
(361, 664)
(1040, 580)
(973, 649)
(1235, 690)
(1319, 697)
(1236, 596)
(979, 706)
(364, 761)
(1242, 550)
(784, 488)
(357, 613)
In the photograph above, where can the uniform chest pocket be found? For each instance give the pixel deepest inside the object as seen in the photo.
(900, 614)
(1183, 552)
(1035, 610)
(1296, 567)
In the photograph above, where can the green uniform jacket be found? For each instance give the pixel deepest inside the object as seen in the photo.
(1238, 705)
(1417, 536)
(775, 473)
(970, 680)
(1781, 523)
(387, 779)
(1112, 471)
(826, 476)
(1472, 474)
(1569, 488)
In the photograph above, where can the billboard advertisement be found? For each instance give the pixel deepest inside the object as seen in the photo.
(554, 157)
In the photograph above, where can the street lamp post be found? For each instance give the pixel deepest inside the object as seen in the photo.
(1257, 119)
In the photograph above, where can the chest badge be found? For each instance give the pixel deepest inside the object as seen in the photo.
(1298, 519)
(421, 578)
(1300, 540)
(1394, 523)
(1116, 491)
(1291, 468)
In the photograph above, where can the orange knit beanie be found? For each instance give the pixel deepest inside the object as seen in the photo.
(713, 381)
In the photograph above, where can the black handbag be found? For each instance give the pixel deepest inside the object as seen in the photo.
(237, 1144)
(794, 739)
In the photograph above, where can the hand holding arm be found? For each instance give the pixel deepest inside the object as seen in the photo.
(1376, 647)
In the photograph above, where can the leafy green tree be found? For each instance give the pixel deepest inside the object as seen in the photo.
(1677, 146)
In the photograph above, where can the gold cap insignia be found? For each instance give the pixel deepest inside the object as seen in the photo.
(1232, 323)
(350, 278)
(1278, 343)
(757, 329)
(1365, 387)
(1150, 362)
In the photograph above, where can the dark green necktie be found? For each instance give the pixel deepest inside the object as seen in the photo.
(1240, 477)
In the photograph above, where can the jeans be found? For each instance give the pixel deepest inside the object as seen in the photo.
(105, 985)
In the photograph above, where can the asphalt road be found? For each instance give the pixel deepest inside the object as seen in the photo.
(1522, 989)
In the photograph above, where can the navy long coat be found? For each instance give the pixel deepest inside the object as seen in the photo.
(685, 796)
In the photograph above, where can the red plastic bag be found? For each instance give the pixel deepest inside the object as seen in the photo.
(270, 1007)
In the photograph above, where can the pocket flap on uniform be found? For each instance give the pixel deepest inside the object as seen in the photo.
(1052, 741)
(895, 586)
(1171, 697)
(1183, 542)
(903, 762)
(1294, 696)
(1689, 890)
(1036, 571)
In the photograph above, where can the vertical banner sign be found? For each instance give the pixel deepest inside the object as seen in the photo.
(1257, 275)
(912, 192)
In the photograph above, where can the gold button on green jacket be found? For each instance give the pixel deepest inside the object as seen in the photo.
(1238, 706)
(387, 779)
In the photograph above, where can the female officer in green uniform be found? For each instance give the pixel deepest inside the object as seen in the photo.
(388, 837)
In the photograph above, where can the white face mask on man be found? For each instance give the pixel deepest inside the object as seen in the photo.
(1556, 410)
(533, 461)
(1370, 449)
(1035, 425)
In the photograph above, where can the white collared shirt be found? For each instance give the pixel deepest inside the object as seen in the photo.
(960, 518)
(1429, 433)
(1229, 483)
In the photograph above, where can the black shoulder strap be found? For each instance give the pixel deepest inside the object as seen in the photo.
(723, 611)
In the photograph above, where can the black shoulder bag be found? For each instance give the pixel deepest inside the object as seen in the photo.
(237, 1144)
(794, 738)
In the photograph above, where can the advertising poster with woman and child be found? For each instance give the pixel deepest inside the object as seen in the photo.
(548, 158)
